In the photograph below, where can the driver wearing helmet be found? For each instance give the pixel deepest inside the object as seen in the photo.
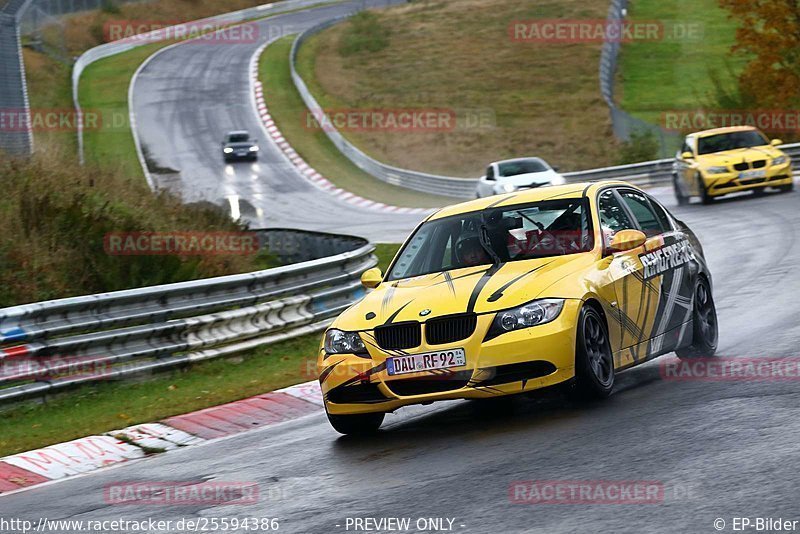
(470, 252)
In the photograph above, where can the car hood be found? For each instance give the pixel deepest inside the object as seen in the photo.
(520, 180)
(481, 289)
(731, 157)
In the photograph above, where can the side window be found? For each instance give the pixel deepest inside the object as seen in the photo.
(641, 209)
(490, 172)
(661, 214)
(612, 215)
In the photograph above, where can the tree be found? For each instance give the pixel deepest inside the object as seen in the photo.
(769, 32)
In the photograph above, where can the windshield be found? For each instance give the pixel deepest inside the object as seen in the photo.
(543, 229)
(730, 141)
(524, 166)
(238, 138)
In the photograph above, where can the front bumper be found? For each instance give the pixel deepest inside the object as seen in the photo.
(732, 182)
(518, 361)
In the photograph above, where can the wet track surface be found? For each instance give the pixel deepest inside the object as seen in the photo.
(188, 96)
(720, 449)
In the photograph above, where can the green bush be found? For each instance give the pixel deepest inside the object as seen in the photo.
(642, 146)
(54, 217)
(364, 33)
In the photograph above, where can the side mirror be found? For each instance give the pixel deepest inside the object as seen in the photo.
(555, 168)
(371, 278)
(776, 142)
(627, 240)
(686, 155)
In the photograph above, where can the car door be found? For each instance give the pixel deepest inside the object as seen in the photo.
(668, 263)
(634, 299)
(486, 183)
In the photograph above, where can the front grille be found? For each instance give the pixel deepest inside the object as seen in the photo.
(759, 164)
(423, 386)
(741, 166)
(399, 336)
(450, 328)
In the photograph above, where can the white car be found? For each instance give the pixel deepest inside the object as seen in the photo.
(512, 175)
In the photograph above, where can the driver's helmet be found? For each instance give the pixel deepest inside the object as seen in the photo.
(470, 252)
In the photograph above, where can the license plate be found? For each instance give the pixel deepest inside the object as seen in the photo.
(415, 363)
(747, 175)
(241, 153)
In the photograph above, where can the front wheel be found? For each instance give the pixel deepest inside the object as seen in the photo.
(355, 424)
(705, 332)
(594, 362)
(705, 198)
(679, 196)
(786, 188)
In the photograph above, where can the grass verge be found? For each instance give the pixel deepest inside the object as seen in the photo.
(110, 406)
(677, 73)
(536, 98)
(289, 112)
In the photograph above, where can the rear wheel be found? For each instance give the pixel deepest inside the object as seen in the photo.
(705, 332)
(594, 362)
(356, 424)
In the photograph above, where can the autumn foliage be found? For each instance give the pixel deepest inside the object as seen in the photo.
(769, 33)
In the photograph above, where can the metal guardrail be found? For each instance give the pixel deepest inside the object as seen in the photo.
(115, 335)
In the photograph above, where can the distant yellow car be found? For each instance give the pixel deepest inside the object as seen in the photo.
(727, 160)
(512, 293)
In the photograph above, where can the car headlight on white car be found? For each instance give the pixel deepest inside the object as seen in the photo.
(558, 180)
(341, 342)
(508, 188)
(780, 160)
(717, 170)
(533, 313)
(227, 150)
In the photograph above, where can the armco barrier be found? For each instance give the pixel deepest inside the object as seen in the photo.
(47, 346)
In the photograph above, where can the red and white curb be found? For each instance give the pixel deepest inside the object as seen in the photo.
(299, 163)
(84, 455)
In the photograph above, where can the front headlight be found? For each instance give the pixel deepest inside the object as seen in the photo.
(780, 160)
(253, 149)
(340, 342)
(533, 313)
(558, 180)
(717, 170)
(508, 188)
(227, 150)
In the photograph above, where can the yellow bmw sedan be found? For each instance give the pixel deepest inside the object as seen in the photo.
(564, 285)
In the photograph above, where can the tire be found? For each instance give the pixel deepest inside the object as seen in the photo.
(786, 188)
(356, 424)
(679, 196)
(759, 191)
(705, 198)
(594, 362)
(705, 329)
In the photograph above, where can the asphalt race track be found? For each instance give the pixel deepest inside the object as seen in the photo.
(189, 95)
(720, 449)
